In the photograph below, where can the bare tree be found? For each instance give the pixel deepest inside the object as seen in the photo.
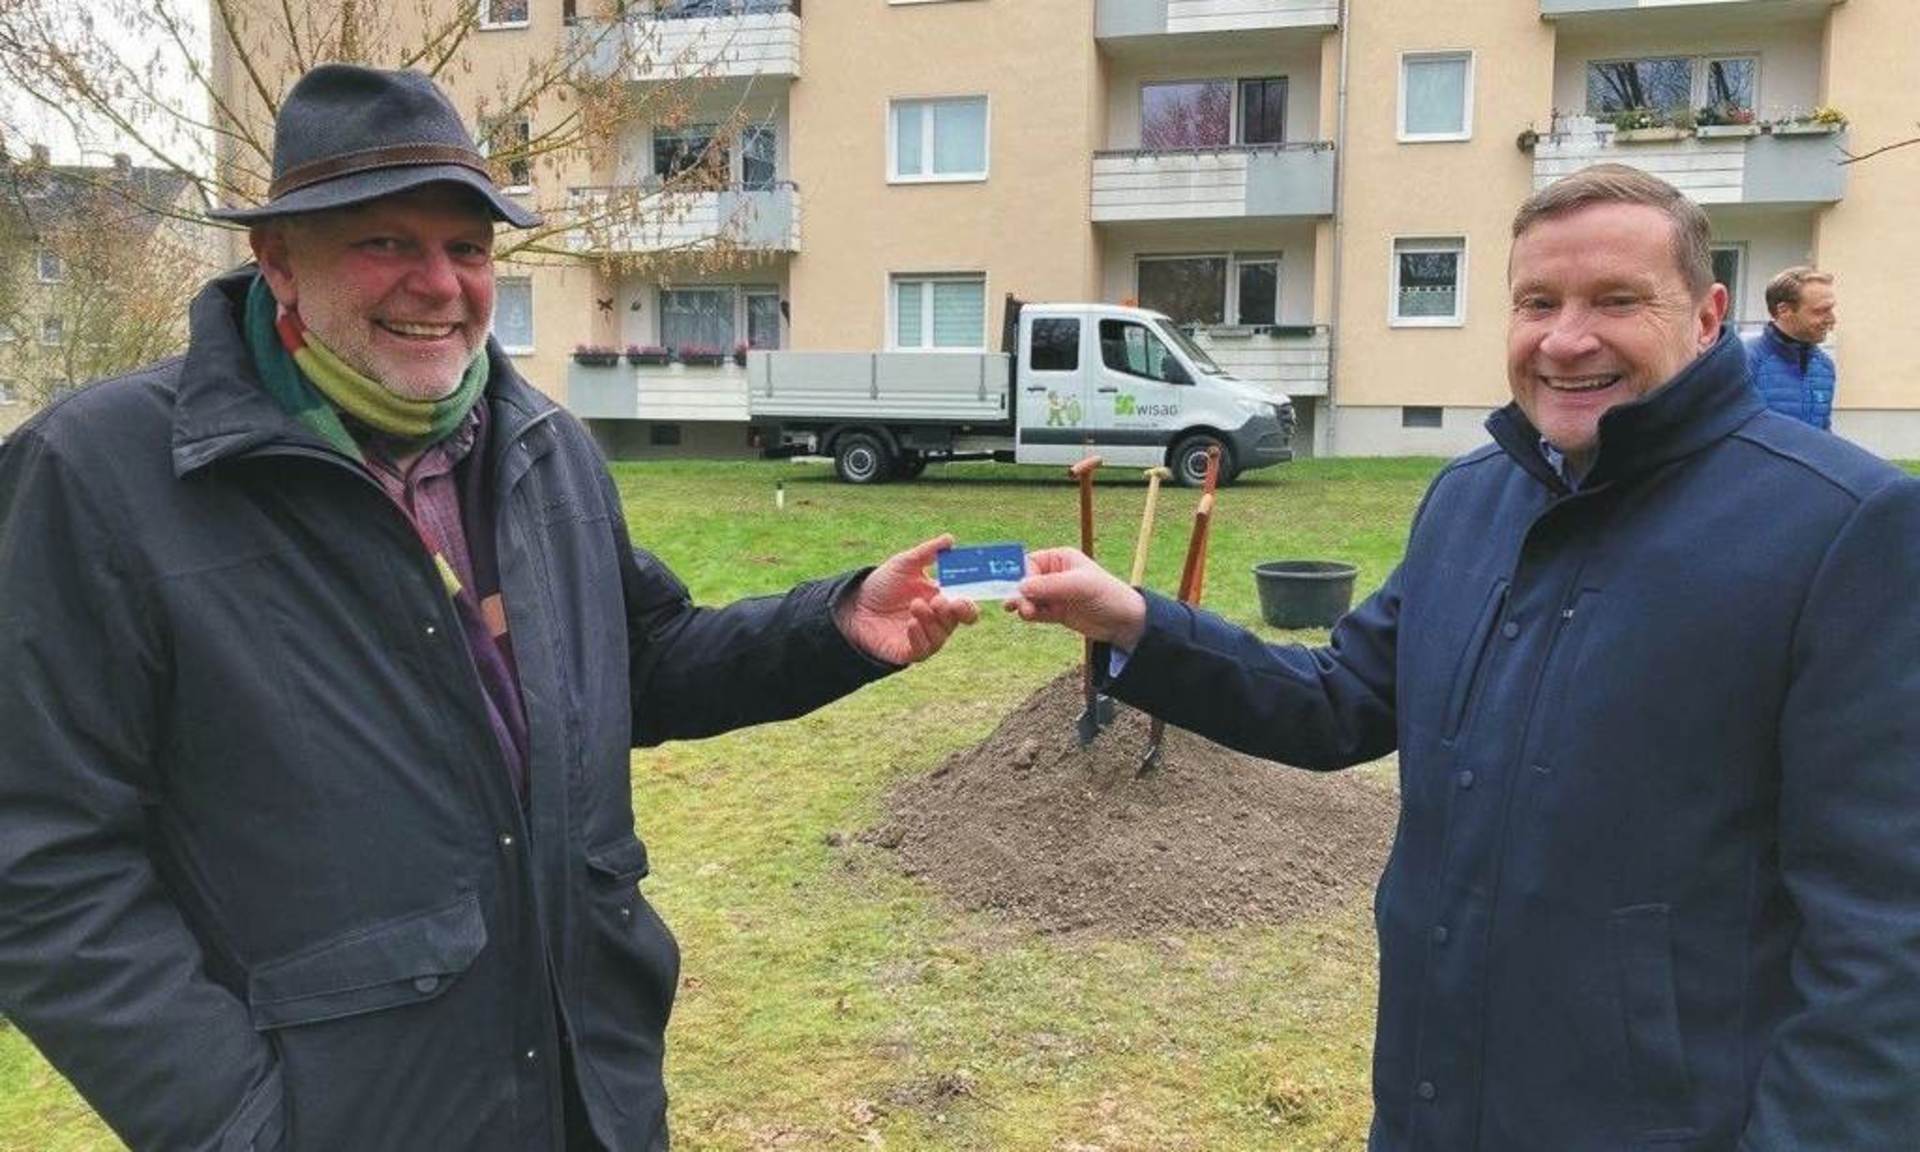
(566, 110)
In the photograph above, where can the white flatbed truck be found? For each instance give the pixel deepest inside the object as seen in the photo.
(1118, 382)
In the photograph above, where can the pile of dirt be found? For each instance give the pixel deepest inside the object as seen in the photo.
(1029, 824)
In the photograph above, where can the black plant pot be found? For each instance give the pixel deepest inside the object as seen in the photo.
(1304, 593)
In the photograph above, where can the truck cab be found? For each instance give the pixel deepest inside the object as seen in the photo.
(1129, 382)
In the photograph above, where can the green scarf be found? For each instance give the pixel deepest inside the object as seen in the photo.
(314, 385)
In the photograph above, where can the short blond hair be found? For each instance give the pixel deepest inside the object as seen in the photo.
(1785, 288)
(1619, 184)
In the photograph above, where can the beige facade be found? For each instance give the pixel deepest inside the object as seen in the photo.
(1273, 167)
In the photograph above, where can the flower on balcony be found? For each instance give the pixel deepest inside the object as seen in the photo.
(701, 356)
(651, 354)
(597, 355)
(740, 354)
(1830, 116)
(1723, 115)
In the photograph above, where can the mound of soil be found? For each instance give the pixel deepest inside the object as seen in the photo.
(1030, 824)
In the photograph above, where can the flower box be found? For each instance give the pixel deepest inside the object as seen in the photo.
(649, 357)
(596, 358)
(702, 359)
(1716, 131)
(1648, 135)
(1806, 128)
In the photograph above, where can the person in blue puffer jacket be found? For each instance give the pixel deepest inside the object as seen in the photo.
(1789, 370)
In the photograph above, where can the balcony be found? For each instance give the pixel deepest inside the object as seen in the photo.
(676, 392)
(710, 40)
(1243, 182)
(633, 219)
(1289, 359)
(1556, 9)
(1787, 165)
(1126, 19)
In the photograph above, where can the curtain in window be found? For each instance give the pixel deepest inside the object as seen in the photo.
(1436, 91)
(959, 136)
(513, 313)
(907, 313)
(697, 318)
(1429, 283)
(758, 152)
(763, 320)
(959, 314)
(907, 125)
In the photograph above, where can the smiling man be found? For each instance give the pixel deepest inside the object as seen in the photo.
(1649, 666)
(323, 649)
(1792, 373)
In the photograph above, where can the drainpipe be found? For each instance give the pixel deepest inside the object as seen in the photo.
(1339, 230)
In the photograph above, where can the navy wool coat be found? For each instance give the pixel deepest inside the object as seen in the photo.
(1656, 882)
(264, 880)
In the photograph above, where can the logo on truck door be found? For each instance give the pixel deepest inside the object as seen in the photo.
(1063, 412)
(1125, 404)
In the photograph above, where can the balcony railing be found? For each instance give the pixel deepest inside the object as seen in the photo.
(1116, 19)
(718, 39)
(1553, 9)
(1292, 359)
(1788, 164)
(1226, 183)
(641, 218)
(677, 392)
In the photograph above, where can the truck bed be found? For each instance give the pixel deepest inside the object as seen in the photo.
(909, 387)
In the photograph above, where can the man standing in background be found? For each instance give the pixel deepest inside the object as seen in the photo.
(1790, 371)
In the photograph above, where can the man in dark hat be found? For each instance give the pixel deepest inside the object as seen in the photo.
(322, 651)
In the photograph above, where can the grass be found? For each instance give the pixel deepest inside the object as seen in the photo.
(829, 1002)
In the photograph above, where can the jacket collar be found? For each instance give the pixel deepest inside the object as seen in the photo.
(223, 411)
(1703, 404)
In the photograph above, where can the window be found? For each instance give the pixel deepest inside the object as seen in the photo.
(1190, 114)
(940, 312)
(1263, 111)
(939, 139)
(1209, 290)
(1671, 83)
(1056, 345)
(6, 393)
(1436, 96)
(1131, 347)
(1429, 283)
(53, 330)
(513, 314)
(759, 156)
(1727, 261)
(503, 13)
(697, 318)
(763, 319)
(52, 269)
(679, 150)
(1420, 416)
(513, 139)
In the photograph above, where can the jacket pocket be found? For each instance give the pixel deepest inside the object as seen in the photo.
(623, 862)
(406, 960)
(1640, 940)
(1460, 694)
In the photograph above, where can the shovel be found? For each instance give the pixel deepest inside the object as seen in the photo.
(1192, 577)
(1098, 710)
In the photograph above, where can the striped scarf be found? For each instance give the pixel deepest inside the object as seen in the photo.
(314, 385)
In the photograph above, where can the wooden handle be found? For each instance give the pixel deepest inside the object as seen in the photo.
(1084, 470)
(1196, 545)
(1146, 535)
(1213, 471)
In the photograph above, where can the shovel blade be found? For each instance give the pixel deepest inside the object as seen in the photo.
(1087, 727)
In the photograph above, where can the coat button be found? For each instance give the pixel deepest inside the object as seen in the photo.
(1439, 933)
(506, 841)
(1510, 629)
(1426, 1090)
(1466, 778)
(626, 913)
(432, 630)
(531, 1055)
(424, 984)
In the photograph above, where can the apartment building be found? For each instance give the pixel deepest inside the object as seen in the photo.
(1321, 189)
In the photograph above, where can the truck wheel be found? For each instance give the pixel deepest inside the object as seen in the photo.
(909, 465)
(861, 458)
(1189, 460)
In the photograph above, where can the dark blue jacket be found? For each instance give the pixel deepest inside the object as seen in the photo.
(1794, 379)
(1657, 876)
(264, 880)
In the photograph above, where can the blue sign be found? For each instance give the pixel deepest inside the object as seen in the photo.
(986, 572)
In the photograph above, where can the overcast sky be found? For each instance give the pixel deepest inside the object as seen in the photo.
(30, 122)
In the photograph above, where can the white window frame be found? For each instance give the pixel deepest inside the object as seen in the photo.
(525, 125)
(1230, 306)
(1426, 243)
(1467, 95)
(41, 257)
(894, 280)
(532, 318)
(1698, 65)
(926, 175)
(486, 25)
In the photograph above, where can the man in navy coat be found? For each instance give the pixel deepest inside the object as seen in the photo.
(1650, 667)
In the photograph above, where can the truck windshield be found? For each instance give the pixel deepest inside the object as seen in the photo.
(1193, 351)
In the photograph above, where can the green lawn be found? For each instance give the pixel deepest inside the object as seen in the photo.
(829, 1002)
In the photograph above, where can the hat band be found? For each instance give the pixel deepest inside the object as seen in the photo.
(396, 156)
